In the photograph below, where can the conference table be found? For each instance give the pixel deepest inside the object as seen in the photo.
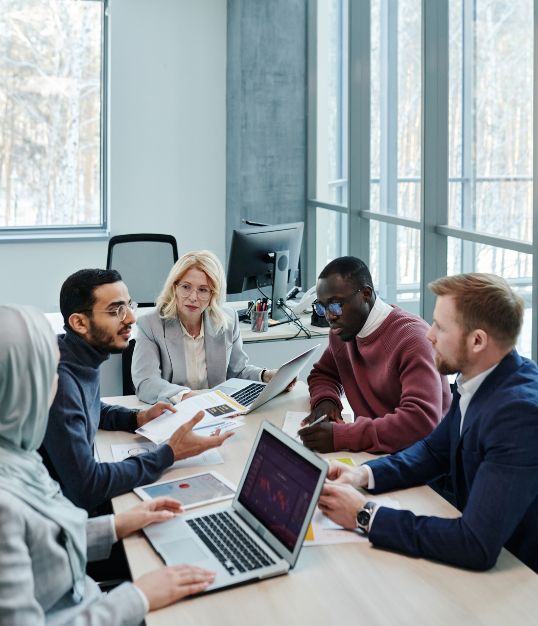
(343, 584)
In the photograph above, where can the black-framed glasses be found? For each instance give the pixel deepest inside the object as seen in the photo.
(334, 308)
(120, 312)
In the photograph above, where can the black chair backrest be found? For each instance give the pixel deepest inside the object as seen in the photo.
(143, 260)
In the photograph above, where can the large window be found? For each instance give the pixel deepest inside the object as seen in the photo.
(52, 142)
(448, 123)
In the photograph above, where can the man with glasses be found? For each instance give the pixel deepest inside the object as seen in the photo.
(378, 355)
(98, 315)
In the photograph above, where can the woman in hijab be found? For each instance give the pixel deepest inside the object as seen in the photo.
(45, 539)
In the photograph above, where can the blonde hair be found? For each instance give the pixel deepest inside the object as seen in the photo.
(206, 262)
(484, 301)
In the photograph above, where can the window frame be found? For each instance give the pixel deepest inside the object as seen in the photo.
(433, 225)
(99, 231)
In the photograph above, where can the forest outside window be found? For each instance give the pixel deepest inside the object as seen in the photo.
(52, 121)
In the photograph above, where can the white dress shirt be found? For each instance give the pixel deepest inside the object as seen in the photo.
(468, 388)
(195, 359)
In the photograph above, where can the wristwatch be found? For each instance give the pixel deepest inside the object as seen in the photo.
(364, 516)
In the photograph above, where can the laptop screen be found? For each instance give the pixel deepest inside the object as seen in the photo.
(279, 488)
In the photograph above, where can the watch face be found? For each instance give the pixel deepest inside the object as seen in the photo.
(363, 518)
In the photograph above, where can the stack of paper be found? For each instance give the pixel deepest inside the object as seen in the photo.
(215, 405)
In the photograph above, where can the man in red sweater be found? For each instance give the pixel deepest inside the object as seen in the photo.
(378, 355)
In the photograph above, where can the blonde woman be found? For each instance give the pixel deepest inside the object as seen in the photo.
(192, 340)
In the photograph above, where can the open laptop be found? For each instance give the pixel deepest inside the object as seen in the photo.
(261, 533)
(252, 395)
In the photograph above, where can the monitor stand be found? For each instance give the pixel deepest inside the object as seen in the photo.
(281, 263)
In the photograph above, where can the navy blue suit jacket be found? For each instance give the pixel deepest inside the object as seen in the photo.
(493, 466)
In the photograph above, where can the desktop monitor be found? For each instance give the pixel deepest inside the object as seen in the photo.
(265, 255)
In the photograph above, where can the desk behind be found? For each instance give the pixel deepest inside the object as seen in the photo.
(347, 583)
(269, 349)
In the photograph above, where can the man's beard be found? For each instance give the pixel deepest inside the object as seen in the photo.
(104, 341)
(457, 365)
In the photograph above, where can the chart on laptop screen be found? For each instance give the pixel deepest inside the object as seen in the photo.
(278, 489)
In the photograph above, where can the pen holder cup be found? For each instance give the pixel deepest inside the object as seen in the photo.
(259, 321)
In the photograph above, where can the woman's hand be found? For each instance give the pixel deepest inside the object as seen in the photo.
(144, 514)
(269, 374)
(170, 584)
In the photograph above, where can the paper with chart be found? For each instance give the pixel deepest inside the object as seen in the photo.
(121, 451)
(215, 405)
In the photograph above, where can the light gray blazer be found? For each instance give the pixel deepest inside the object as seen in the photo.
(35, 576)
(158, 367)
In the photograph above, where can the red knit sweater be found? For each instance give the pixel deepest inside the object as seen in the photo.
(391, 382)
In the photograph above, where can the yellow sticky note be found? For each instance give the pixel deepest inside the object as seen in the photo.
(309, 533)
(346, 459)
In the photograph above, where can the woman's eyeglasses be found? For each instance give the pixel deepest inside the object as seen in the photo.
(184, 290)
(333, 308)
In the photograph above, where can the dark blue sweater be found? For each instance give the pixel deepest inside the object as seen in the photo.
(75, 416)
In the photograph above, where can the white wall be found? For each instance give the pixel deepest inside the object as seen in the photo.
(167, 143)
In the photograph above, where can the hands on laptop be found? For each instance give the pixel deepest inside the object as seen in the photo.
(269, 374)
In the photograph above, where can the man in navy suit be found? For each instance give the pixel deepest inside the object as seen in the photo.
(487, 443)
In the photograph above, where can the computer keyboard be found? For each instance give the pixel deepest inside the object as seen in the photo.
(247, 395)
(236, 551)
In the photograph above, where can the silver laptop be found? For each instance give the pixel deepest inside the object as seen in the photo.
(261, 533)
(252, 395)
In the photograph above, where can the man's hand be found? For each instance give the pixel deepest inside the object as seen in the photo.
(346, 475)
(341, 503)
(142, 515)
(170, 584)
(185, 443)
(325, 407)
(146, 416)
(318, 437)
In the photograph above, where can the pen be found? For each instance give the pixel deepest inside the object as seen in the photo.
(318, 420)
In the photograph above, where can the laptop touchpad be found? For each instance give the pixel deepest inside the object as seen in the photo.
(228, 390)
(183, 551)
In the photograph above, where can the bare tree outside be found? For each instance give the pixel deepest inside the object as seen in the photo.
(50, 113)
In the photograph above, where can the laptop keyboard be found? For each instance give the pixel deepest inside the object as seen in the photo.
(247, 395)
(229, 542)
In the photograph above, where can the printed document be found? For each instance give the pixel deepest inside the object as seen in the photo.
(215, 405)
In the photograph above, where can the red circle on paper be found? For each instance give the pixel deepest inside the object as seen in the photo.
(184, 485)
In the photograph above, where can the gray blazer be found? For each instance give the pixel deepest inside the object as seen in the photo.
(35, 576)
(158, 366)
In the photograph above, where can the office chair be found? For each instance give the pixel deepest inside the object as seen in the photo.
(143, 260)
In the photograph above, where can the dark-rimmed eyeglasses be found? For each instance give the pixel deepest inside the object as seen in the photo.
(120, 312)
(333, 308)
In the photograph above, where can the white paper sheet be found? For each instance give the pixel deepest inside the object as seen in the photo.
(292, 423)
(326, 532)
(215, 405)
(123, 451)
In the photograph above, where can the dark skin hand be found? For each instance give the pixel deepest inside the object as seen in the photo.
(318, 437)
(325, 407)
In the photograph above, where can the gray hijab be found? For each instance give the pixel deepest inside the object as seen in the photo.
(28, 363)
